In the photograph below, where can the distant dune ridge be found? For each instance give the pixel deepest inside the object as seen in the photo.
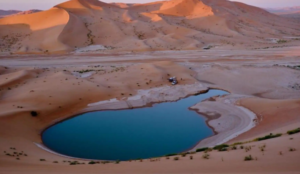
(5, 13)
(8, 12)
(284, 10)
(163, 25)
(291, 12)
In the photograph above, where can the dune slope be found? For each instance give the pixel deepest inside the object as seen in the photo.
(163, 25)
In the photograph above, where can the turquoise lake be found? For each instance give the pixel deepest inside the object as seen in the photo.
(129, 134)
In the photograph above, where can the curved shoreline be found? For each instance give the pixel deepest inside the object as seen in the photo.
(145, 98)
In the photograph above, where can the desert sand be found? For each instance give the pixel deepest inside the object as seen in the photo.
(56, 90)
(87, 55)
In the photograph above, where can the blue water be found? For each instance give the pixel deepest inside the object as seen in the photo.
(131, 134)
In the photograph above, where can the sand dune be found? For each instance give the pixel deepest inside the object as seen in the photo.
(43, 32)
(163, 25)
(282, 113)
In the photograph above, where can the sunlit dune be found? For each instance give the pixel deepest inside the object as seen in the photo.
(143, 27)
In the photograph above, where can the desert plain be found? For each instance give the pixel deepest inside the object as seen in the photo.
(87, 55)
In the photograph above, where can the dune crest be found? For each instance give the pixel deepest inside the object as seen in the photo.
(163, 25)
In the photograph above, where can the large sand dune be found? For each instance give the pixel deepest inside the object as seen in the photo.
(163, 25)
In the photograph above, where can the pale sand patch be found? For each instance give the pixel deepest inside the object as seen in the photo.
(226, 119)
(147, 97)
(91, 48)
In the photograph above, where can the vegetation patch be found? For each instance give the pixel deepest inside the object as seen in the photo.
(237, 143)
(267, 137)
(205, 156)
(291, 132)
(281, 41)
(202, 149)
(223, 149)
(248, 158)
(92, 162)
(221, 146)
(171, 154)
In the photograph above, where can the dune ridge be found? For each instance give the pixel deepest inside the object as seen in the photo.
(162, 25)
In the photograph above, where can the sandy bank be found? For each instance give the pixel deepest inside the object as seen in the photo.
(225, 118)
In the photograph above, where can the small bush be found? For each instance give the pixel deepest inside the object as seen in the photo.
(291, 132)
(92, 162)
(208, 150)
(237, 143)
(267, 137)
(292, 149)
(202, 149)
(118, 161)
(55, 162)
(42, 160)
(176, 158)
(34, 113)
(248, 158)
(218, 147)
(73, 163)
(205, 156)
(223, 149)
(191, 157)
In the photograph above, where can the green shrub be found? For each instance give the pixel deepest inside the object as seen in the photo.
(237, 143)
(176, 158)
(218, 147)
(42, 160)
(202, 149)
(248, 158)
(73, 163)
(92, 162)
(291, 132)
(267, 137)
(118, 161)
(171, 154)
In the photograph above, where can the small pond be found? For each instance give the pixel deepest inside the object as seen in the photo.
(164, 128)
